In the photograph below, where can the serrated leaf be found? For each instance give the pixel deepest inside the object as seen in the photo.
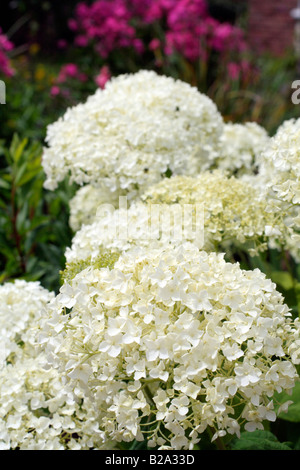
(259, 440)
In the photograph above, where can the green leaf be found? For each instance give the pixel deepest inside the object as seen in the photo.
(22, 221)
(21, 170)
(297, 291)
(283, 279)
(293, 413)
(3, 276)
(4, 184)
(258, 440)
(25, 176)
(18, 150)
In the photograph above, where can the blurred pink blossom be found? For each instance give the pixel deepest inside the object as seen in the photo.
(225, 36)
(5, 46)
(105, 22)
(233, 70)
(55, 90)
(70, 71)
(188, 29)
(154, 44)
(103, 76)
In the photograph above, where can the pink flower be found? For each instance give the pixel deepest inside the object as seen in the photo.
(67, 72)
(185, 20)
(154, 44)
(5, 46)
(138, 46)
(103, 77)
(188, 30)
(81, 41)
(233, 70)
(106, 24)
(221, 34)
(73, 24)
(226, 36)
(55, 90)
(70, 71)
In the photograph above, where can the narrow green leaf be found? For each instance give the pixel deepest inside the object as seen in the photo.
(20, 172)
(297, 290)
(26, 176)
(4, 184)
(19, 150)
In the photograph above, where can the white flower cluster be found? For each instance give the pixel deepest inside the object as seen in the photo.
(280, 172)
(281, 162)
(235, 210)
(231, 213)
(37, 409)
(130, 134)
(117, 230)
(154, 335)
(85, 202)
(21, 306)
(170, 341)
(240, 148)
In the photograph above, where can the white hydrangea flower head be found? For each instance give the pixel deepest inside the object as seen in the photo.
(215, 211)
(37, 409)
(85, 202)
(237, 210)
(130, 134)
(280, 171)
(281, 162)
(168, 340)
(240, 148)
(22, 304)
(115, 230)
(39, 412)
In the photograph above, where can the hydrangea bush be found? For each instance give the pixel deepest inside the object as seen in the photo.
(170, 342)
(157, 338)
(280, 173)
(215, 211)
(37, 408)
(241, 146)
(129, 135)
(86, 201)
(21, 306)
(281, 163)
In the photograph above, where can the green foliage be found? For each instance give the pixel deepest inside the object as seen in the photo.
(293, 413)
(34, 229)
(259, 440)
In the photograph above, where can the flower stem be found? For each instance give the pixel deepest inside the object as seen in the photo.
(220, 444)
